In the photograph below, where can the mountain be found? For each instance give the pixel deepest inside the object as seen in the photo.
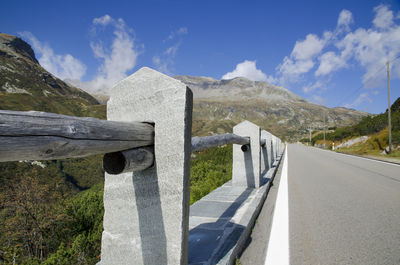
(220, 104)
(25, 85)
(238, 88)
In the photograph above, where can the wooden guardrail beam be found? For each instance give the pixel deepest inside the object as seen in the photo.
(129, 160)
(36, 135)
(141, 158)
(200, 143)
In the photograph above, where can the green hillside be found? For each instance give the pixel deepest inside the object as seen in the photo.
(376, 127)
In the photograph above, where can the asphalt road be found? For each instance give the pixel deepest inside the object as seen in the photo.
(342, 209)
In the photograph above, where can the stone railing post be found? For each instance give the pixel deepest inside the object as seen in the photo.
(279, 146)
(146, 215)
(272, 151)
(274, 147)
(246, 165)
(266, 159)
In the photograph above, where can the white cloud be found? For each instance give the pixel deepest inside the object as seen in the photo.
(162, 65)
(308, 48)
(364, 97)
(365, 48)
(371, 48)
(301, 59)
(384, 17)
(182, 31)
(318, 99)
(272, 80)
(293, 68)
(117, 59)
(312, 87)
(344, 20)
(329, 62)
(246, 69)
(165, 62)
(179, 32)
(63, 66)
(104, 20)
(173, 49)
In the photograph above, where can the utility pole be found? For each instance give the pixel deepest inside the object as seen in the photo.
(389, 119)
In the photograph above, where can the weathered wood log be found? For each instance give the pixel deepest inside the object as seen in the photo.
(245, 147)
(129, 160)
(200, 143)
(45, 136)
(142, 158)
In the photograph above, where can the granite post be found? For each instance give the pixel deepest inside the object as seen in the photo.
(279, 146)
(146, 215)
(266, 159)
(274, 147)
(246, 165)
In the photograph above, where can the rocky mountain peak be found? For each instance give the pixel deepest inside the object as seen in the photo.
(237, 88)
(13, 46)
(240, 82)
(25, 85)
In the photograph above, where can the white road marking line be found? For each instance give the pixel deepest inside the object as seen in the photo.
(278, 246)
(365, 158)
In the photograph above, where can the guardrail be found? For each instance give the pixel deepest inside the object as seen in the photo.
(147, 145)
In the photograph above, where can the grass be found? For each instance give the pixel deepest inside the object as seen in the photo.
(210, 169)
(373, 147)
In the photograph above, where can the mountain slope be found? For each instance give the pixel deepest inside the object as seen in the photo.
(238, 88)
(369, 136)
(43, 211)
(220, 104)
(25, 85)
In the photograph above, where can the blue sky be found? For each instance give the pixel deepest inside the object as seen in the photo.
(329, 52)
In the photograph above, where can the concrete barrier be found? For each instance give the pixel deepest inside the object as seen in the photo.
(147, 213)
(246, 164)
(221, 222)
(146, 219)
(274, 147)
(266, 157)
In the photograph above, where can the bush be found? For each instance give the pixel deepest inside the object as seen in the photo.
(209, 170)
(368, 125)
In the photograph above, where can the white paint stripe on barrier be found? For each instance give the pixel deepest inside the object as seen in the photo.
(278, 246)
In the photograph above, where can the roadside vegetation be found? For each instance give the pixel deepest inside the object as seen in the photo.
(375, 127)
(209, 169)
(52, 212)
